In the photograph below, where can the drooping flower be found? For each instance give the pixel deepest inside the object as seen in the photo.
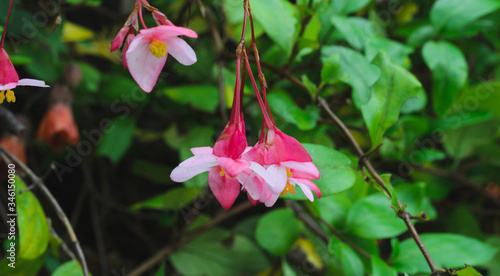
(10, 80)
(58, 127)
(148, 53)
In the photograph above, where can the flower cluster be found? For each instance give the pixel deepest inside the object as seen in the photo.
(273, 167)
(145, 51)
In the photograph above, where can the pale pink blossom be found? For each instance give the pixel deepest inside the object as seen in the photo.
(8, 75)
(148, 51)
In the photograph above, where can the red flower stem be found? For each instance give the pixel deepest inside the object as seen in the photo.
(262, 79)
(6, 23)
(236, 110)
(268, 121)
(140, 16)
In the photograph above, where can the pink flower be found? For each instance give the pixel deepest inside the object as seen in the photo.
(9, 78)
(132, 22)
(148, 53)
(161, 19)
(224, 164)
(289, 164)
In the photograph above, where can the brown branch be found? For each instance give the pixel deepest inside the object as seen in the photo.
(167, 250)
(405, 216)
(8, 158)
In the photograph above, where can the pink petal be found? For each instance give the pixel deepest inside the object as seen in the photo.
(231, 143)
(225, 189)
(302, 169)
(120, 37)
(252, 184)
(252, 201)
(270, 202)
(180, 50)
(233, 167)
(32, 82)
(164, 32)
(10, 85)
(161, 19)
(192, 167)
(8, 74)
(282, 147)
(306, 186)
(142, 64)
(129, 40)
(202, 150)
(278, 173)
(260, 171)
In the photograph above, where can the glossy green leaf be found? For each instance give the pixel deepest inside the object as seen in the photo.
(155, 172)
(71, 268)
(354, 30)
(372, 217)
(349, 6)
(31, 237)
(331, 72)
(173, 199)
(218, 252)
(461, 142)
(381, 268)
(117, 139)
(397, 51)
(350, 261)
(277, 230)
(283, 105)
(455, 14)
(335, 169)
(467, 271)
(202, 97)
(279, 19)
(449, 73)
(449, 250)
(390, 92)
(359, 73)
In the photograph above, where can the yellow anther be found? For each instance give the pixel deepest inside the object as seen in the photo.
(2, 96)
(158, 48)
(223, 172)
(289, 188)
(11, 98)
(288, 173)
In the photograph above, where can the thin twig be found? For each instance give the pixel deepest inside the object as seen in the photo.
(60, 213)
(405, 216)
(167, 250)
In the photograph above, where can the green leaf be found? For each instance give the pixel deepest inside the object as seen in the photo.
(117, 139)
(354, 30)
(277, 231)
(161, 270)
(218, 252)
(171, 200)
(381, 268)
(71, 268)
(390, 92)
(350, 261)
(203, 97)
(449, 250)
(372, 217)
(283, 105)
(31, 237)
(331, 72)
(455, 14)
(397, 51)
(313, 89)
(449, 73)
(196, 137)
(279, 19)
(91, 77)
(468, 271)
(420, 35)
(152, 171)
(349, 6)
(336, 173)
(460, 143)
(359, 73)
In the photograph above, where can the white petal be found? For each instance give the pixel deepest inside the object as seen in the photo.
(278, 173)
(32, 82)
(201, 150)
(180, 50)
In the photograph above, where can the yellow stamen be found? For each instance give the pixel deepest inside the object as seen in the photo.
(158, 48)
(223, 172)
(11, 98)
(2, 96)
(289, 188)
